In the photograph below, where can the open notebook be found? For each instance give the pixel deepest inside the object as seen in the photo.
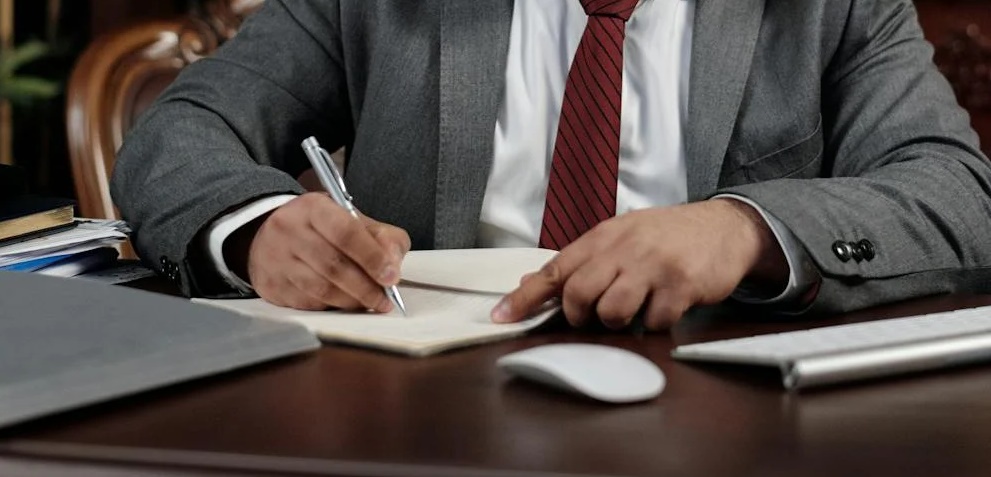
(448, 294)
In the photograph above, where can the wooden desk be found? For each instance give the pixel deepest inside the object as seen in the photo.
(344, 411)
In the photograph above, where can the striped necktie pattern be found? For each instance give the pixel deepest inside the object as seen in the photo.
(585, 166)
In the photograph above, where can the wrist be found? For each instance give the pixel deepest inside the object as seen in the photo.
(763, 260)
(237, 247)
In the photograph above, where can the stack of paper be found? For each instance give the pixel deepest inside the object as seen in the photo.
(71, 252)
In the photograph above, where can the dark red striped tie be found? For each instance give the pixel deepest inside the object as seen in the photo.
(585, 167)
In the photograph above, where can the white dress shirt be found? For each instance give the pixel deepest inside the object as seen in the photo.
(543, 39)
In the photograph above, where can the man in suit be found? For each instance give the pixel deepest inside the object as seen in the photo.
(801, 155)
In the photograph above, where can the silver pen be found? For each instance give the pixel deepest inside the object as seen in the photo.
(333, 181)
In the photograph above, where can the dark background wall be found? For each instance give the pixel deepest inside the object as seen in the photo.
(39, 144)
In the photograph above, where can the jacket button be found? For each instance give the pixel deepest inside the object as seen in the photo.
(855, 252)
(842, 250)
(866, 248)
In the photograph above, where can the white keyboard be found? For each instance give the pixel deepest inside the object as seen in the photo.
(842, 353)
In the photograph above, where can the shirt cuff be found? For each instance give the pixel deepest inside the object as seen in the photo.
(802, 275)
(225, 225)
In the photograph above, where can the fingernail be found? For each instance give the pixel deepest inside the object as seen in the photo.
(389, 276)
(501, 312)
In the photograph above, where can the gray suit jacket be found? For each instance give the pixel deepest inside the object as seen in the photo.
(828, 113)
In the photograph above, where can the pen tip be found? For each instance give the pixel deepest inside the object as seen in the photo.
(398, 299)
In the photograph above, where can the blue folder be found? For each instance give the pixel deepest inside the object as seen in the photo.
(35, 264)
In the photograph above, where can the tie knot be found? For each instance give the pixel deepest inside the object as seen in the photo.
(621, 9)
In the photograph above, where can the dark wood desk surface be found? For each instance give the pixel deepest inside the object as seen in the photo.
(345, 411)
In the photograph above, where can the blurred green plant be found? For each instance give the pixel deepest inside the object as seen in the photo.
(25, 90)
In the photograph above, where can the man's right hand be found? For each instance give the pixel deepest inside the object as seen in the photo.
(310, 254)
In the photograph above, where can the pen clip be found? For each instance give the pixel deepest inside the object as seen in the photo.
(335, 173)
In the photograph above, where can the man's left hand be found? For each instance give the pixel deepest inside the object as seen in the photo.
(659, 261)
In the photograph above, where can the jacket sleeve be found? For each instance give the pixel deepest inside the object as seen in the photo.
(904, 173)
(228, 131)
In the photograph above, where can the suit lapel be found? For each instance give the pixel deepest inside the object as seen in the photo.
(474, 42)
(725, 32)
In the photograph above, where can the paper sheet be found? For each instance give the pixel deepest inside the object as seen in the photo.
(121, 273)
(494, 270)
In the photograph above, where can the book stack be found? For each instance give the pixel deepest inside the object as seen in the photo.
(24, 218)
(42, 235)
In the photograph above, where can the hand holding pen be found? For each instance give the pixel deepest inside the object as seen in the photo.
(312, 254)
(333, 181)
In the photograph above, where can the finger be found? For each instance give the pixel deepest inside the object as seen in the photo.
(281, 292)
(622, 300)
(353, 239)
(585, 287)
(308, 282)
(544, 285)
(297, 300)
(337, 269)
(395, 239)
(526, 277)
(664, 310)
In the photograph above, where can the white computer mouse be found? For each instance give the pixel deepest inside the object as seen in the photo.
(604, 373)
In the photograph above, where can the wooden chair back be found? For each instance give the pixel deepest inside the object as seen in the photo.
(120, 75)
